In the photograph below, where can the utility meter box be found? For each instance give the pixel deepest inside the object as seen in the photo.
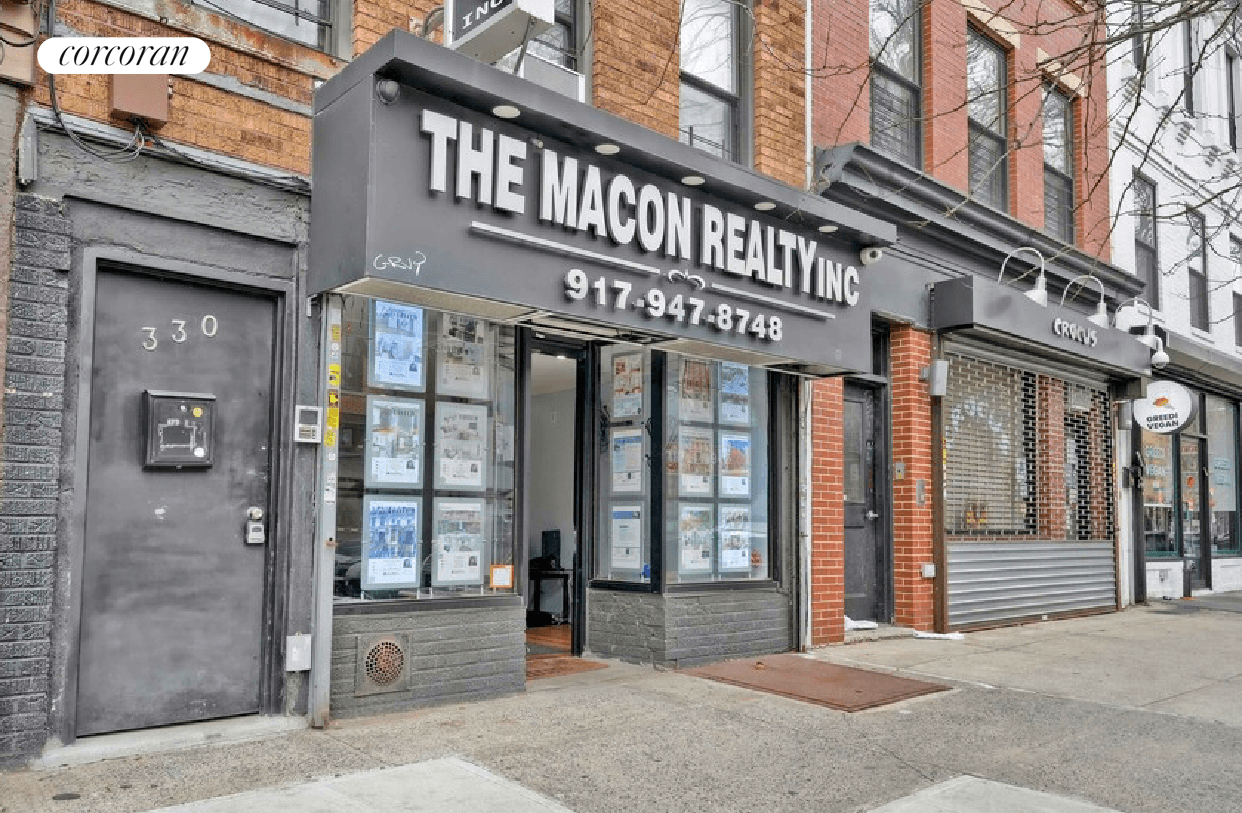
(489, 29)
(180, 429)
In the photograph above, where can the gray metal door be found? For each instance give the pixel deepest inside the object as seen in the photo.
(864, 538)
(173, 579)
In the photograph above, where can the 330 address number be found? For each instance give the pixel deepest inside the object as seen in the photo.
(208, 327)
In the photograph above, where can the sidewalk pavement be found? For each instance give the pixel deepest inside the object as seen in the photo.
(1123, 712)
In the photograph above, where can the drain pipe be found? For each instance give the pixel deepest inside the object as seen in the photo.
(805, 386)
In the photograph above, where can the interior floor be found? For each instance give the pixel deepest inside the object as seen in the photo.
(550, 640)
(547, 653)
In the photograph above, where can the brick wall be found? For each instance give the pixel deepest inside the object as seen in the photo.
(840, 92)
(33, 405)
(636, 68)
(251, 126)
(780, 91)
(913, 597)
(827, 514)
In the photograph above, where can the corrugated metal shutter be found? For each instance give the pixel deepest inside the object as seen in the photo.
(1011, 580)
(1028, 492)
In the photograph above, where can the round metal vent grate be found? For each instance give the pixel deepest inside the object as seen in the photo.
(384, 663)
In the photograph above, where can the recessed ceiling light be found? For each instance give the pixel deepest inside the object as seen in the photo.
(607, 149)
(765, 206)
(506, 111)
(693, 180)
(829, 228)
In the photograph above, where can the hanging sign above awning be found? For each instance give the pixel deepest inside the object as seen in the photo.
(1169, 407)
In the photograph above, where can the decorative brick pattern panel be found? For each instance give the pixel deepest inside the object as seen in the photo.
(827, 513)
(34, 401)
(913, 594)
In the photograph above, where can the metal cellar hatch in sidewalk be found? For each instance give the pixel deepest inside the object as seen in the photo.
(826, 684)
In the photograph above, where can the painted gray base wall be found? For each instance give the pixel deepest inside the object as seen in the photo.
(454, 655)
(686, 629)
(30, 537)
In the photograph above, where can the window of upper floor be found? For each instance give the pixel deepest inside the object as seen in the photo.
(309, 22)
(1196, 262)
(1059, 145)
(560, 45)
(988, 120)
(713, 65)
(1146, 254)
(896, 80)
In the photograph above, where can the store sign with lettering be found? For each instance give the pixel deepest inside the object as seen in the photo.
(1169, 407)
(461, 202)
(496, 170)
(1075, 332)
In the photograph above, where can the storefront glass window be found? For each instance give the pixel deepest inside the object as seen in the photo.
(623, 552)
(425, 481)
(1222, 422)
(1158, 495)
(715, 471)
(1190, 462)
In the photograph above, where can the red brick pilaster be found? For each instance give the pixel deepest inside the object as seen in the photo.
(827, 514)
(913, 594)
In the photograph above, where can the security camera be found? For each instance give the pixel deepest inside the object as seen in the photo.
(870, 255)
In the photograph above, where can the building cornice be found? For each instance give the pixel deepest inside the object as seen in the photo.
(859, 176)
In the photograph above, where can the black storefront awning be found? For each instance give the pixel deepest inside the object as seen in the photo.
(1005, 316)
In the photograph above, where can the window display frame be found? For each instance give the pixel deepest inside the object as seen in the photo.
(657, 368)
(350, 488)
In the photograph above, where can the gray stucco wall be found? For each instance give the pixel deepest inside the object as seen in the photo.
(686, 629)
(451, 655)
(165, 213)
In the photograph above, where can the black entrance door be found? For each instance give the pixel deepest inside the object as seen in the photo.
(866, 569)
(172, 582)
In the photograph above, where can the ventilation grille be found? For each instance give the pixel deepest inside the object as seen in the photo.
(383, 665)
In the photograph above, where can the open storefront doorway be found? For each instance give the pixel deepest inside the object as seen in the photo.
(554, 607)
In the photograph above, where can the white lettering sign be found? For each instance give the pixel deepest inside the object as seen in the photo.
(1077, 333)
(489, 168)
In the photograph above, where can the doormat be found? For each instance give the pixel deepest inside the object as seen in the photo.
(827, 684)
(546, 666)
